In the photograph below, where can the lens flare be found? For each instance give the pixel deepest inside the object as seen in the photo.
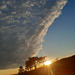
(47, 62)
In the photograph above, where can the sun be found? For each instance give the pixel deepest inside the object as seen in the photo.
(47, 62)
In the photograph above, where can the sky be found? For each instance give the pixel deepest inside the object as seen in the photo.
(60, 39)
(22, 32)
(24, 24)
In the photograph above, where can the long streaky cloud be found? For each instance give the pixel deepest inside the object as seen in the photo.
(23, 25)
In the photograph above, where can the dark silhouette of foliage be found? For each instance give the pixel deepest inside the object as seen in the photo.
(28, 65)
(41, 59)
(33, 61)
(65, 66)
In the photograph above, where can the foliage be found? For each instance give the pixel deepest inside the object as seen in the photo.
(33, 61)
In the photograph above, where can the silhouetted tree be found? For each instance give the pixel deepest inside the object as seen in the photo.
(33, 61)
(28, 65)
(56, 59)
(42, 59)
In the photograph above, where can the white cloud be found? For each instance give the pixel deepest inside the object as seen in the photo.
(23, 27)
(0, 12)
(3, 7)
(13, 13)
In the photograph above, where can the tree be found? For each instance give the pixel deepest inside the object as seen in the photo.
(41, 59)
(33, 61)
(28, 65)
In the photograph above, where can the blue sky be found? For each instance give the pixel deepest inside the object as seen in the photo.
(23, 25)
(60, 38)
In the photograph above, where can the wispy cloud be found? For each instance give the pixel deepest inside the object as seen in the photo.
(23, 25)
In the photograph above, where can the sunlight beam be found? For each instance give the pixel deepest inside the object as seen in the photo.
(47, 62)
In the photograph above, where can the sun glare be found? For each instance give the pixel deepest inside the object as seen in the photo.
(47, 62)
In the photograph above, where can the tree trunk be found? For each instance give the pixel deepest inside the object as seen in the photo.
(35, 67)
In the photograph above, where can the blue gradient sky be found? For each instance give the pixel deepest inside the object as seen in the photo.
(60, 38)
(23, 24)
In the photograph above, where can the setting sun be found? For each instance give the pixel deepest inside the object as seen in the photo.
(47, 62)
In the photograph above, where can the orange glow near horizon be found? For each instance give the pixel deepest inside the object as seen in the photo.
(47, 62)
(9, 71)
